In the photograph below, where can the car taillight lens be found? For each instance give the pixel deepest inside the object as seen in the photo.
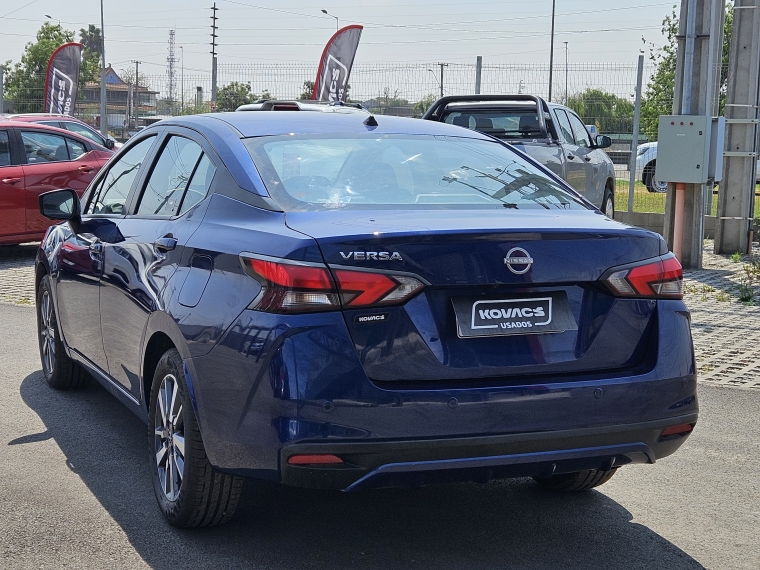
(295, 287)
(660, 278)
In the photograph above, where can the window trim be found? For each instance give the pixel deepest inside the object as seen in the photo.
(590, 142)
(89, 193)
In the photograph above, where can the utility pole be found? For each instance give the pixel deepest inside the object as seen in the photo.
(136, 105)
(565, 73)
(697, 83)
(103, 107)
(551, 53)
(734, 231)
(442, 66)
(2, 104)
(171, 72)
(213, 53)
(182, 80)
(478, 72)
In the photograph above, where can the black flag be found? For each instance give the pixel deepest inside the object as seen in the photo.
(62, 79)
(335, 65)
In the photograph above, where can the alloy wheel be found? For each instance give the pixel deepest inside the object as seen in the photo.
(169, 437)
(659, 186)
(47, 333)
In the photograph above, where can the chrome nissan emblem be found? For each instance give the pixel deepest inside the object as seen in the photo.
(518, 261)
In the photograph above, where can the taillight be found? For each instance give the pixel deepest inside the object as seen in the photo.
(297, 287)
(661, 278)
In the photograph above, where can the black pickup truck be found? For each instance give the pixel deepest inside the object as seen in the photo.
(549, 133)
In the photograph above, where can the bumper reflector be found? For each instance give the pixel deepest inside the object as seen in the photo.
(314, 460)
(683, 429)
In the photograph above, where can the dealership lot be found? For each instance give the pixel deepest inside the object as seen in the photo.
(73, 484)
(77, 496)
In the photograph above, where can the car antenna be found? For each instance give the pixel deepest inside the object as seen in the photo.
(370, 121)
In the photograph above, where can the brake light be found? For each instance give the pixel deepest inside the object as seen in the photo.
(660, 278)
(296, 287)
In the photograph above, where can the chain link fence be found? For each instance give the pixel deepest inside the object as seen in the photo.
(603, 95)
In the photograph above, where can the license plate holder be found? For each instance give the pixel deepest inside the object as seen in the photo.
(530, 313)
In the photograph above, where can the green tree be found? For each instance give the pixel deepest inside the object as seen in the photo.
(25, 82)
(90, 39)
(610, 113)
(308, 89)
(658, 98)
(231, 96)
(424, 104)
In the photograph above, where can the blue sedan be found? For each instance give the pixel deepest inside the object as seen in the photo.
(344, 301)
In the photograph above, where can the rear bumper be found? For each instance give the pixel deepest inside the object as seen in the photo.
(416, 463)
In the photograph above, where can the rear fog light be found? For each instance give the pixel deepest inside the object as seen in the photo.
(679, 430)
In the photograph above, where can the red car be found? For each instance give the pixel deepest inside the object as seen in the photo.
(34, 159)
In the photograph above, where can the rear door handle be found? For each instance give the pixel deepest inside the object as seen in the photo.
(11, 180)
(587, 158)
(85, 168)
(570, 156)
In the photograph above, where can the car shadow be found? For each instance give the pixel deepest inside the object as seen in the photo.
(504, 524)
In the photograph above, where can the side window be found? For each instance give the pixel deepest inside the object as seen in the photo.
(170, 178)
(580, 132)
(111, 196)
(199, 184)
(55, 124)
(76, 149)
(44, 147)
(83, 131)
(5, 149)
(566, 131)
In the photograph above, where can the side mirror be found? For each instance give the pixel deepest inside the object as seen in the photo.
(61, 205)
(109, 144)
(603, 141)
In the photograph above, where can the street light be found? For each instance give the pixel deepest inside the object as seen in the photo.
(49, 17)
(337, 22)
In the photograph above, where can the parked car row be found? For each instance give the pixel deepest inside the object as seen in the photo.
(36, 158)
(338, 300)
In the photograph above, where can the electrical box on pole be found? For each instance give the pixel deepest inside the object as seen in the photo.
(690, 149)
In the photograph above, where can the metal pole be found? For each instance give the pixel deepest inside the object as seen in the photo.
(2, 104)
(441, 64)
(635, 137)
(478, 70)
(137, 92)
(688, 59)
(551, 53)
(103, 107)
(182, 80)
(565, 73)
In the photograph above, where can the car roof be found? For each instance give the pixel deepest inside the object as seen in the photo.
(14, 123)
(296, 122)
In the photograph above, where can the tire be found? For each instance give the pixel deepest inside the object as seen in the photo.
(59, 370)
(653, 185)
(572, 482)
(608, 203)
(189, 491)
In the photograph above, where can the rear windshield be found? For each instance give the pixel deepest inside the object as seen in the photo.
(357, 171)
(507, 123)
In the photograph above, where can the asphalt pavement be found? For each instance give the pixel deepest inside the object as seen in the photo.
(75, 492)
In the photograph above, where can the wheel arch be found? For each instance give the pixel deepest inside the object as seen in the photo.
(648, 167)
(161, 334)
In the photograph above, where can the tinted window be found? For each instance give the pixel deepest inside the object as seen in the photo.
(44, 147)
(565, 130)
(5, 149)
(356, 171)
(580, 132)
(111, 195)
(199, 184)
(76, 149)
(84, 131)
(170, 177)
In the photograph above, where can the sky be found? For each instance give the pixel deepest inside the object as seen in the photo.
(395, 31)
